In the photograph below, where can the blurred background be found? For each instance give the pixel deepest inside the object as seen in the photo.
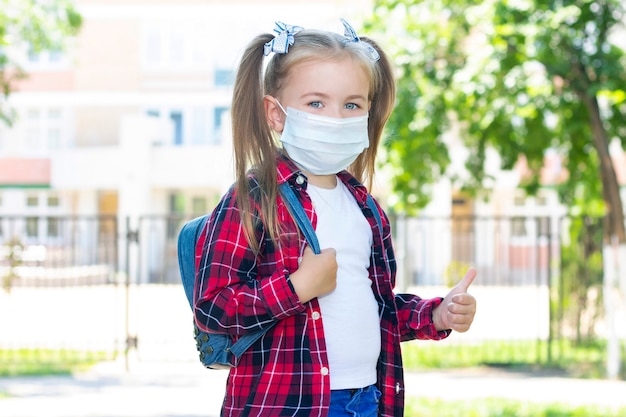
(505, 153)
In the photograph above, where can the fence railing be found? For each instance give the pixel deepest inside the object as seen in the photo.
(112, 285)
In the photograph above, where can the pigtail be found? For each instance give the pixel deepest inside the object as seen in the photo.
(383, 101)
(253, 143)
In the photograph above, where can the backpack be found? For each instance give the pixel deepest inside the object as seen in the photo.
(217, 351)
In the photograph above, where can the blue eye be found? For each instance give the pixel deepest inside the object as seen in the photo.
(316, 104)
(352, 106)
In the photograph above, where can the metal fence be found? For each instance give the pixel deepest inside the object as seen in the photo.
(109, 285)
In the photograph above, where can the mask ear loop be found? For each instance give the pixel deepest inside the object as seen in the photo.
(281, 106)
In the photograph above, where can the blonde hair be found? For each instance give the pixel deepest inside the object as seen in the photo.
(255, 144)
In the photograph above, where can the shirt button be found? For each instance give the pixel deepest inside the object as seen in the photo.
(315, 315)
(299, 180)
(324, 371)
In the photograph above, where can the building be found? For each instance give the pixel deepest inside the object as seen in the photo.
(133, 119)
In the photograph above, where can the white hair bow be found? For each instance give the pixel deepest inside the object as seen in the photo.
(282, 40)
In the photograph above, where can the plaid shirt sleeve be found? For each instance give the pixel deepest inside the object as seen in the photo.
(415, 317)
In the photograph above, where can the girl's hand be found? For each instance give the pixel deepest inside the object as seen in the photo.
(457, 309)
(316, 275)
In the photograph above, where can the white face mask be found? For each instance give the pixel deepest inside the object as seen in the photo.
(323, 145)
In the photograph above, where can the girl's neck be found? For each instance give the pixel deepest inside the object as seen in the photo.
(322, 181)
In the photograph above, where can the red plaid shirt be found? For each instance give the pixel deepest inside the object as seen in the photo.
(286, 372)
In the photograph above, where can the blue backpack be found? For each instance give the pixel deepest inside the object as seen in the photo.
(217, 351)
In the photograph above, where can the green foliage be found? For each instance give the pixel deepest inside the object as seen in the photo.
(33, 25)
(517, 77)
(496, 407)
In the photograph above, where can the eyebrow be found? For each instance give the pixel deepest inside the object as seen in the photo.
(322, 95)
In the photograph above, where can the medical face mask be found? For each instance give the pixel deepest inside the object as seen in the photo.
(323, 145)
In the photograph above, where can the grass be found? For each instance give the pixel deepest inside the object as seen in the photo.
(580, 361)
(32, 362)
(495, 407)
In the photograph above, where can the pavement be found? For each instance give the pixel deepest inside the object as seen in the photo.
(188, 390)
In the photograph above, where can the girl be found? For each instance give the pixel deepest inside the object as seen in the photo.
(334, 348)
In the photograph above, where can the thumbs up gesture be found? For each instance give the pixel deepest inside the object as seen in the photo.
(457, 309)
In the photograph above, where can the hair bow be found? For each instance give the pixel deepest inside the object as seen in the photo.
(284, 38)
(350, 33)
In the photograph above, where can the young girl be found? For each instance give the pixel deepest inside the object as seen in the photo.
(313, 120)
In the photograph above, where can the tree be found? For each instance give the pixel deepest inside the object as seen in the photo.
(35, 26)
(519, 77)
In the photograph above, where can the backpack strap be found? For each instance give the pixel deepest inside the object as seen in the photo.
(297, 211)
(372, 205)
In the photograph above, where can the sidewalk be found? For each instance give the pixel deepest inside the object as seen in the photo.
(188, 390)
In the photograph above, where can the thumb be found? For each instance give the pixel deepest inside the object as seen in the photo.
(466, 281)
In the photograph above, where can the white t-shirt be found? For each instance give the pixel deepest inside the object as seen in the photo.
(350, 312)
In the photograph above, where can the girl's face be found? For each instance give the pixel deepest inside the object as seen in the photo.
(332, 88)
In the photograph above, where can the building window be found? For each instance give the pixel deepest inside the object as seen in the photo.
(198, 205)
(518, 226)
(45, 129)
(541, 199)
(218, 124)
(55, 56)
(224, 77)
(174, 45)
(177, 119)
(45, 60)
(54, 129)
(32, 227)
(190, 125)
(45, 57)
(54, 139)
(53, 201)
(32, 201)
(152, 48)
(177, 204)
(199, 126)
(177, 207)
(53, 226)
(543, 226)
(177, 47)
